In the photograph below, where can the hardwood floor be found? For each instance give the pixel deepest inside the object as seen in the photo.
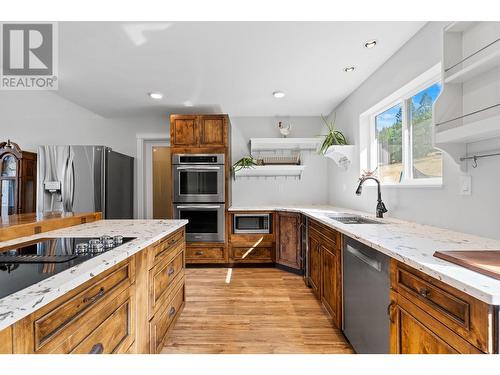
(252, 310)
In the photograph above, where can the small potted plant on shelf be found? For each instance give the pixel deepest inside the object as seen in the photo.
(333, 137)
(335, 145)
(244, 162)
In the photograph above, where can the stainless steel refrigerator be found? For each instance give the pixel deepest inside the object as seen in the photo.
(85, 179)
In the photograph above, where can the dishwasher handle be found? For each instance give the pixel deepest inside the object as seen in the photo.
(364, 258)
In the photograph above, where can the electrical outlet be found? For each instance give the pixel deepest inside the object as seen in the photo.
(465, 184)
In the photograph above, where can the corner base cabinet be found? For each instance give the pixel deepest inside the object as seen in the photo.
(289, 243)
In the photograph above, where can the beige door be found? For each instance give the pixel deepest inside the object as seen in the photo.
(162, 183)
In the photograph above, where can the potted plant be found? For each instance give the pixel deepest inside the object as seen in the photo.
(244, 162)
(335, 146)
(333, 137)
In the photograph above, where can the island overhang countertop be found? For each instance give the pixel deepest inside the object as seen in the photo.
(410, 243)
(146, 232)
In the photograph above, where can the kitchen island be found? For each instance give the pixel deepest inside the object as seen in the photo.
(147, 273)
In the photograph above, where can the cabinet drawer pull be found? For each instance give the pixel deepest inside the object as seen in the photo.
(198, 253)
(95, 298)
(171, 271)
(171, 312)
(424, 292)
(390, 311)
(97, 349)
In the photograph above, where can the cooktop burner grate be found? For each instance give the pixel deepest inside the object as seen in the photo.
(6, 258)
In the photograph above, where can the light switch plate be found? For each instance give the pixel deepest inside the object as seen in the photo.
(465, 184)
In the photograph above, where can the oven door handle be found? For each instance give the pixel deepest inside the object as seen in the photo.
(199, 206)
(181, 168)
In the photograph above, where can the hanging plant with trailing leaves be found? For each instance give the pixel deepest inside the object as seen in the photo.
(244, 162)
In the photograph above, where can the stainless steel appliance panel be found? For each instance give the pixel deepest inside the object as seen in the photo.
(83, 178)
(366, 297)
(119, 180)
(198, 178)
(252, 223)
(205, 221)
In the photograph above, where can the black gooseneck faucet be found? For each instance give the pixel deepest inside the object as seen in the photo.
(380, 205)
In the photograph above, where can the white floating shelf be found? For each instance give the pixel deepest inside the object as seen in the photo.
(273, 144)
(474, 131)
(342, 155)
(484, 61)
(271, 171)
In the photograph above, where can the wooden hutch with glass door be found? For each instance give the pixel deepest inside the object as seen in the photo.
(17, 179)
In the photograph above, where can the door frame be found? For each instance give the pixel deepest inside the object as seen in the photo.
(143, 139)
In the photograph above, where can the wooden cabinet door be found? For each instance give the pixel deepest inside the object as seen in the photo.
(183, 131)
(413, 331)
(212, 131)
(331, 295)
(6, 340)
(288, 252)
(314, 264)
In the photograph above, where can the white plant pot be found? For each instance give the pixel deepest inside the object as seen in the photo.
(342, 155)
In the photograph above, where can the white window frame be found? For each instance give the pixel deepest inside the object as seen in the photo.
(368, 142)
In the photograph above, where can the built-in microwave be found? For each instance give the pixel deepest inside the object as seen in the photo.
(252, 223)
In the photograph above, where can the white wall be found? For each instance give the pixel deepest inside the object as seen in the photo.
(478, 213)
(33, 118)
(310, 189)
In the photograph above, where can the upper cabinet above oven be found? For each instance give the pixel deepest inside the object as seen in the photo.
(199, 131)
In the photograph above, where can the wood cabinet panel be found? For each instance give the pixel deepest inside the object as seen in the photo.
(288, 249)
(6, 341)
(115, 334)
(314, 263)
(184, 131)
(162, 321)
(212, 131)
(252, 254)
(465, 315)
(331, 295)
(162, 278)
(413, 331)
(199, 131)
(201, 253)
(46, 327)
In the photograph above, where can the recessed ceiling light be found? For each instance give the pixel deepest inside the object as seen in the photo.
(371, 43)
(349, 69)
(155, 95)
(278, 94)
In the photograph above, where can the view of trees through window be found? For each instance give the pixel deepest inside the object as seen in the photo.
(425, 160)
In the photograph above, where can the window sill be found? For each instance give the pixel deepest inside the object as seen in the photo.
(427, 185)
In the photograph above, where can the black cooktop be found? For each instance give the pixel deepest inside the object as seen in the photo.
(28, 263)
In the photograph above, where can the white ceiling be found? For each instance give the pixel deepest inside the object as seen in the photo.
(230, 67)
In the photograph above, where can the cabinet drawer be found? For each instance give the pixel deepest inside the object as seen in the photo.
(325, 233)
(48, 325)
(251, 254)
(162, 250)
(162, 277)
(116, 333)
(161, 322)
(466, 315)
(209, 253)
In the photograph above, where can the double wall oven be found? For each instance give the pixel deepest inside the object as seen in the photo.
(199, 195)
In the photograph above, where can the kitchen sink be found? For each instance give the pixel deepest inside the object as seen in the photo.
(353, 219)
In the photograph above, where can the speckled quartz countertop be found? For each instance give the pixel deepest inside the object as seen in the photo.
(20, 304)
(411, 243)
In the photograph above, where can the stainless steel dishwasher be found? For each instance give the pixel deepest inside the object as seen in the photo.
(366, 297)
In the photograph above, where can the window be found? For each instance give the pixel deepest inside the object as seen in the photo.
(397, 139)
